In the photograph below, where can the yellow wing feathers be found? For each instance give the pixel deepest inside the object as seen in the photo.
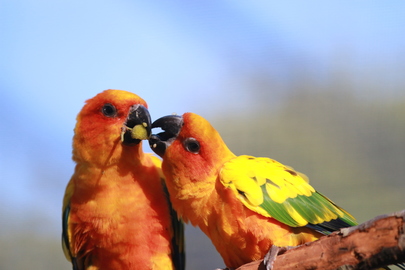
(274, 190)
(247, 175)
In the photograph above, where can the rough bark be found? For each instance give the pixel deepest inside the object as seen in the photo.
(376, 243)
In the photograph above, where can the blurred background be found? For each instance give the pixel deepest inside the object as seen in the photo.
(315, 85)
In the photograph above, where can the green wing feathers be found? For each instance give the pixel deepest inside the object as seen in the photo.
(178, 255)
(65, 221)
(275, 190)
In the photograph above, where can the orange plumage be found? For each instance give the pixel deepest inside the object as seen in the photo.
(243, 204)
(116, 214)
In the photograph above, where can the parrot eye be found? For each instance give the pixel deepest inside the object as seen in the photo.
(192, 145)
(109, 110)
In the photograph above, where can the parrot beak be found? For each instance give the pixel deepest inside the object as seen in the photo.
(137, 126)
(171, 126)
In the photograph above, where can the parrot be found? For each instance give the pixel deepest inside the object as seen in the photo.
(246, 205)
(116, 211)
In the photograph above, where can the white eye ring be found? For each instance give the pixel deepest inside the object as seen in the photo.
(191, 145)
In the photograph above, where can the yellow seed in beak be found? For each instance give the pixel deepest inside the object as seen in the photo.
(139, 132)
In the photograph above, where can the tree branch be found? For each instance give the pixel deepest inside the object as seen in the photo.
(376, 243)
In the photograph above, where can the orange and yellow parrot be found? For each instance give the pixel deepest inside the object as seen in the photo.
(116, 212)
(244, 204)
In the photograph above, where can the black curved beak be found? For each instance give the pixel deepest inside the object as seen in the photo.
(171, 126)
(138, 125)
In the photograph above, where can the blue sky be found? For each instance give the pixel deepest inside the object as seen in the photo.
(179, 56)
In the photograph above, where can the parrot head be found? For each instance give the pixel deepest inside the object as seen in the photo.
(110, 118)
(189, 144)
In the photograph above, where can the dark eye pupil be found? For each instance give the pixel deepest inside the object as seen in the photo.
(192, 145)
(109, 110)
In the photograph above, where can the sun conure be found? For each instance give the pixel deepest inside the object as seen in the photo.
(116, 212)
(244, 204)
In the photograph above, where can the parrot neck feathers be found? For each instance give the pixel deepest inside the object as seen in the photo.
(115, 153)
